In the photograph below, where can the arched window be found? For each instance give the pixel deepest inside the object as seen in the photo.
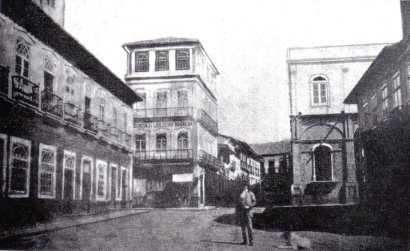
(161, 141)
(183, 140)
(182, 59)
(140, 143)
(322, 163)
(22, 58)
(161, 61)
(320, 91)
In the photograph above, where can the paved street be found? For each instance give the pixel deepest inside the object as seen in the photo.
(182, 230)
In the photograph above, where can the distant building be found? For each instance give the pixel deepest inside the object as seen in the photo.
(322, 127)
(176, 125)
(274, 154)
(382, 140)
(65, 120)
(240, 160)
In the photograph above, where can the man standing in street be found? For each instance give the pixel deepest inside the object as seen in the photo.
(247, 201)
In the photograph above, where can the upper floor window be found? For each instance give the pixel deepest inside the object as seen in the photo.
(125, 124)
(182, 59)
(319, 91)
(114, 116)
(102, 109)
(142, 61)
(48, 75)
(70, 88)
(22, 58)
(161, 61)
(51, 3)
(183, 140)
(161, 141)
(161, 100)
(140, 143)
(397, 101)
(385, 101)
(182, 98)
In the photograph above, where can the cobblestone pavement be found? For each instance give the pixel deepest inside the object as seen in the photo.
(178, 230)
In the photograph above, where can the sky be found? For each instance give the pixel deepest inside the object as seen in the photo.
(245, 39)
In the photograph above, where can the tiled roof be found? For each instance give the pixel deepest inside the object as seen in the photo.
(272, 148)
(162, 41)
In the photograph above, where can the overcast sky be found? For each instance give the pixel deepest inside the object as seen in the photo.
(246, 40)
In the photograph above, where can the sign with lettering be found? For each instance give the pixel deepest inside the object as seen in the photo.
(185, 177)
(162, 124)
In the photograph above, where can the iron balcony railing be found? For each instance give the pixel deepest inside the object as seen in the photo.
(90, 122)
(246, 167)
(209, 161)
(163, 112)
(207, 121)
(51, 103)
(115, 134)
(103, 128)
(24, 90)
(72, 113)
(4, 79)
(164, 154)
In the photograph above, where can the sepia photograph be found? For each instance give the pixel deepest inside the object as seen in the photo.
(205, 125)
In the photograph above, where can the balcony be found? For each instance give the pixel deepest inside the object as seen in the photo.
(103, 128)
(245, 167)
(4, 80)
(115, 134)
(24, 90)
(72, 114)
(163, 112)
(51, 103)
(208, 122)
(165, 155)
(126, 138)
(90, 123)
(208, 161)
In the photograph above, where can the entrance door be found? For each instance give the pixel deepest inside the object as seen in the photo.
(86, 196)
(114, 180)
(124, 187)
(323, 163)
(68, 184)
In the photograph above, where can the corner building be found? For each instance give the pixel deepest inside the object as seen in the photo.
(175, 126)
(65, 121)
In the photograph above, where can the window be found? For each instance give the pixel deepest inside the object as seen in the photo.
(51, 3)
(385, 101)
(47, 171)
(397, 101)
(319, 91)
(141, 61)
(102, 109)
(161, 61)
(22, 58)
(70, 88)
(161, 141)
(125, 116)
(322, 170)
(114, 116)
(48, 75)
(373, 102)
(86, 178)
(182, 59)
(161, 104)
(19, 167)
(183, 140)
(69, 164)
(101, 180)
(182, 98)
(114, 191)
(140, 143)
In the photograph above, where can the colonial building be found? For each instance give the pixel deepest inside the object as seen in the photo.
(322, 127)
(65, 120)
(383, 138)
(175, 126)
(240, 160)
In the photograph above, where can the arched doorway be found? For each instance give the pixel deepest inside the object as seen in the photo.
(323, 163)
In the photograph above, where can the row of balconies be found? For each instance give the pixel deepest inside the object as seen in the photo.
(25, 91)
(203, 117)
(209, 161)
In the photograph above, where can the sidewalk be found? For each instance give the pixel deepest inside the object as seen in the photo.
(63, 222)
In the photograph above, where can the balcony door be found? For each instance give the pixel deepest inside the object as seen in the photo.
(161, 146)
(161, 105)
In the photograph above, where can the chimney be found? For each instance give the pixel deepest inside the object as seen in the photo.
(405, 16)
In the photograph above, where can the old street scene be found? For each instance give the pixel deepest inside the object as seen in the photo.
(178, 125)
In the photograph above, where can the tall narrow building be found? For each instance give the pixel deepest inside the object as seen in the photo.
(176, 124)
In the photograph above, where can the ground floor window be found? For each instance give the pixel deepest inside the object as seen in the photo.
(69, 164)
(19, 167)
(47, 165)
(86, 178)
(101, 184)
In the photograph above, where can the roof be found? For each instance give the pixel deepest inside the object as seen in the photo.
(161, 42)
(272, 148)
(29, 16)
(242, 145)
(387, 60)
